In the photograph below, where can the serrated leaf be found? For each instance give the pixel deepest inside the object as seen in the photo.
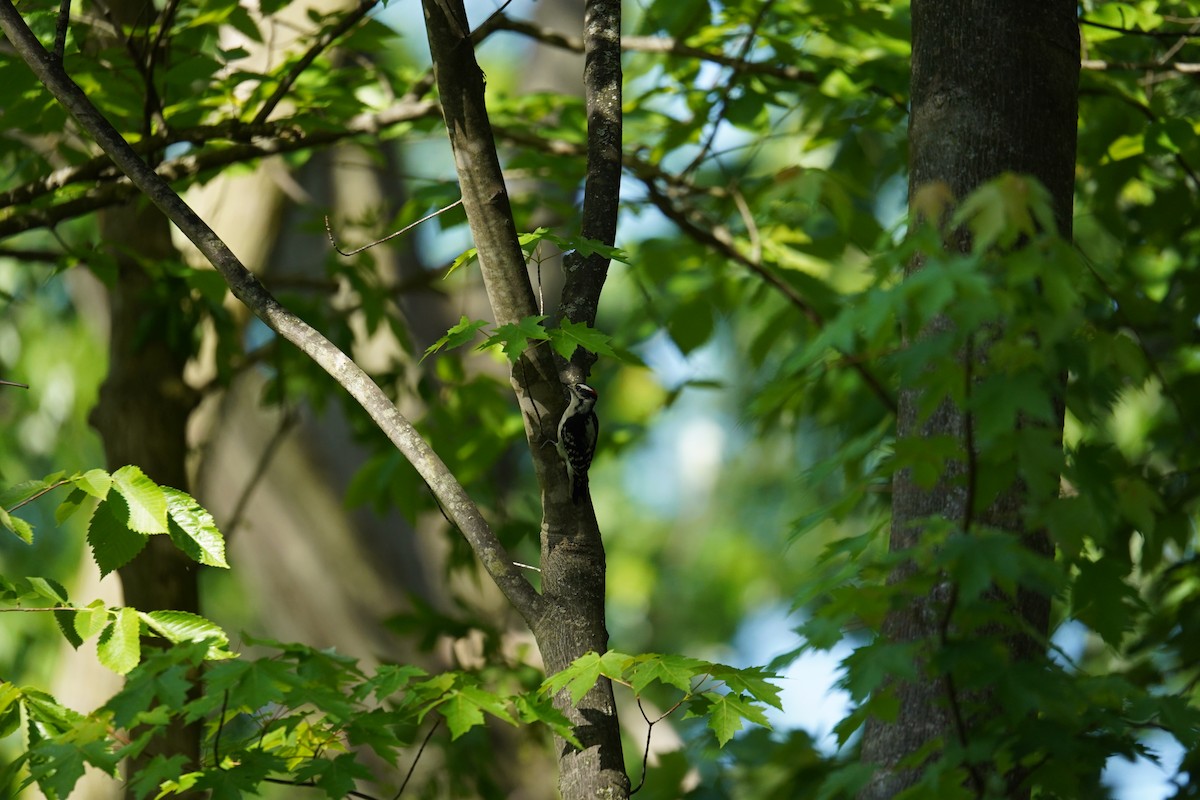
(532, 709)
(724, 719)
(570, 335)
(584, 671)
(72, 503)
(20, 527)
(457, 336)
(750, 680)
(49, 588)
(577, 679)
(91, 620)
(94, 482)
(145, 500)
(1103, 600)
(493, 704)
(21, 492)
(65, 619)
(676, 671)
(182, 626)
(461, 714)
(113, 544)
(10, 708)
(467, 257)
(193, 530)
(120, 646)
(151, 776)
(514, 338)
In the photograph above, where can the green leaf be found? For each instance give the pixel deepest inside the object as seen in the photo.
(535, 709)
(1103, 600)
(570, 335)
(91, 620)
(50, 589)
(95, 482)
(182, 626)
(23, 492)
(120, 646)
(514, 338)
(467, 257)
(193, 530)
(457, 336)
(676, 671)
(749, 680)
(72, 503)
(725, 713)
(145, 500)
(65, 620)
(113, 544)
(20, 527)
(461, 714)
(579, 678)
(10, 709)
(160, 769)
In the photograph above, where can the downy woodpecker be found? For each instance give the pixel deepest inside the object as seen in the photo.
(577, 433)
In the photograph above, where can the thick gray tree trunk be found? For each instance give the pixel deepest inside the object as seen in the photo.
(994, 90)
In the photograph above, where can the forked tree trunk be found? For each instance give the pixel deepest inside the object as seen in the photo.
(994, 89)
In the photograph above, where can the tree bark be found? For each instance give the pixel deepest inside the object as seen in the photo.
(994, 89)
(142, 417)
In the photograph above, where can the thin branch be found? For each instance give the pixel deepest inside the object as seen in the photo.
(313, 785)
(220, 728)
(722, 103)
(1179, 67)
(42, 491)
(286, 139)
(390, 236)
(645, 750)
(412, 767)
(665, 45)
(1135, 32)
(246, 287)
(60, 29)
(14, 383)
(286, 423)
(327, 37)
(719, 239)
(650, 723)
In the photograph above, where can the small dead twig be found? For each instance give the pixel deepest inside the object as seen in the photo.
(390, 236)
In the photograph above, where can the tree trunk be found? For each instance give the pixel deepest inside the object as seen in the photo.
(142, 416)
(994, 90)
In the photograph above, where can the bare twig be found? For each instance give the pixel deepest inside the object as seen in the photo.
(1135, 32)
(390, 236)
(286, 423)
(436, 721)
(650, 723)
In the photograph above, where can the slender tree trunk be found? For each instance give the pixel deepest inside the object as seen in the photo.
(142, 416)
(994, 89)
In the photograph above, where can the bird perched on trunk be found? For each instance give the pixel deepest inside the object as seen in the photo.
(578, 431)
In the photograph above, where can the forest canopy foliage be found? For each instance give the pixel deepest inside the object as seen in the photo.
(755, 329)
